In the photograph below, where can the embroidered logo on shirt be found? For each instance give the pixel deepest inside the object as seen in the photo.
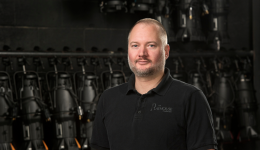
(160, 108)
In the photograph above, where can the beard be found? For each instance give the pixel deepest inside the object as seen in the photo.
(147, 71)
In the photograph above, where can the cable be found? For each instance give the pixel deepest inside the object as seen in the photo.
(204, 83)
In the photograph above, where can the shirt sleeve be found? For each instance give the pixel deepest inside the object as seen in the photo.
(200, 129)
(99, 140)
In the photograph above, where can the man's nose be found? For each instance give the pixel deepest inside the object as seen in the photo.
(143, 52)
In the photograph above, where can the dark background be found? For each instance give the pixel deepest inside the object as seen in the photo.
(79, 23)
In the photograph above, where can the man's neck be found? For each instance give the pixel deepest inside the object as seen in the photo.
(145, 84)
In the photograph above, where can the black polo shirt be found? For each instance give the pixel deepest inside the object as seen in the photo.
(172, 116)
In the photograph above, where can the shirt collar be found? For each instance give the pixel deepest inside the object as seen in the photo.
(161, 88)
(131, 84)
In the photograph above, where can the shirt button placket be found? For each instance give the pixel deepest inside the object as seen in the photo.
(140, 104)
(138, 115)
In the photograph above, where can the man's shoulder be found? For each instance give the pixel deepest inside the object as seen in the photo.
(112, 95)
(184, 93)
(114, 91)
(183, 87)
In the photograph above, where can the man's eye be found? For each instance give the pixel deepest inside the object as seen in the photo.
(134, 45)
(151, 45)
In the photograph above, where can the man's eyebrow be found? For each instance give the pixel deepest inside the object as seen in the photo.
(152, 42)
(133, 42)
(146, 42)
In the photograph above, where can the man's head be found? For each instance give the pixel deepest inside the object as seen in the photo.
(147, 47)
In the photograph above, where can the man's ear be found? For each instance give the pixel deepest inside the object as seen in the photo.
(167, 51)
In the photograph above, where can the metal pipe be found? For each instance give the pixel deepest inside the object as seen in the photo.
(256, 47)
(184, 54)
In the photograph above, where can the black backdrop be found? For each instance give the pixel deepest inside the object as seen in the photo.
(79, 24)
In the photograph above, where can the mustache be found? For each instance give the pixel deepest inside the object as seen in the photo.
(143, 59)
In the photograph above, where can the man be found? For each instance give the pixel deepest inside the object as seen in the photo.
(152, 111)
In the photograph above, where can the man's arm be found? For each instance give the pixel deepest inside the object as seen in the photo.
(199, 123)
(99, 140)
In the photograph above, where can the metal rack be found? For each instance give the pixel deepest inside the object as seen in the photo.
(115, 54)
